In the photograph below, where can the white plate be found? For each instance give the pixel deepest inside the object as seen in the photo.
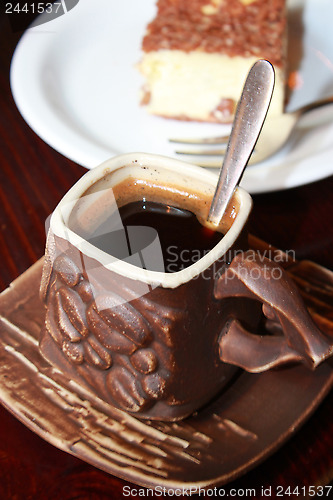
(75, 83)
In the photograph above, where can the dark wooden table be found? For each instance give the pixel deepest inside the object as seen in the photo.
(33, 178)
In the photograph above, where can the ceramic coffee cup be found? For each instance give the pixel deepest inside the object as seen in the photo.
(155, 343)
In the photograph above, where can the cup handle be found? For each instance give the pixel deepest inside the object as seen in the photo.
(256, 277)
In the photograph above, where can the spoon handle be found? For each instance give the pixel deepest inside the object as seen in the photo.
(250, 116)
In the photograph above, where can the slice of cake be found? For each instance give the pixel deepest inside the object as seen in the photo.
(197, 53)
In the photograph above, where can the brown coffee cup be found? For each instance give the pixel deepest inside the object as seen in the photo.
(157, 344)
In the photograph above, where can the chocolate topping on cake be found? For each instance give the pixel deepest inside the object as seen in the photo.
(235, 27)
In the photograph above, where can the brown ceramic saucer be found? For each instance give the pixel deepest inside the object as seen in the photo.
(253, 417)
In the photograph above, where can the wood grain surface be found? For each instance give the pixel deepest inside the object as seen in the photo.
(33, 178)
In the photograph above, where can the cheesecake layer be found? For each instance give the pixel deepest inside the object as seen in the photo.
(198, 86)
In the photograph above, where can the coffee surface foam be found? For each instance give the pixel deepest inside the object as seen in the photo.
(129, 184)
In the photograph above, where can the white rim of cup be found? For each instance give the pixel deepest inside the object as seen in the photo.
(61, 214)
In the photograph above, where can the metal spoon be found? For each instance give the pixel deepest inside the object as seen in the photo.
(250, 116)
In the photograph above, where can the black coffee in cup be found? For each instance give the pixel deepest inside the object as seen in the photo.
(182, 239)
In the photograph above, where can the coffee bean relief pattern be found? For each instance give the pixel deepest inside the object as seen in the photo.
(113, 348)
